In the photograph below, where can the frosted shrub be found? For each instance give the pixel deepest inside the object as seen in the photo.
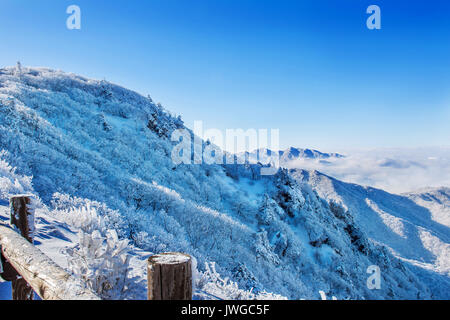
(86, 219)
(211, 284)
(100, 258)
(102, 263)
(87, 215)
(12, 183)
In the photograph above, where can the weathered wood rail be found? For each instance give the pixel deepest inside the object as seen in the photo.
(30, 270)
(38, 271)
(27, 267)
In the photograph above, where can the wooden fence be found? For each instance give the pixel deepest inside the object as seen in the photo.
(29, 270)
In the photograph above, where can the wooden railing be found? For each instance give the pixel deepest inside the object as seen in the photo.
(30, 270)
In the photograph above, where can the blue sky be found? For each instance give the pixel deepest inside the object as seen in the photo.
(310, 68)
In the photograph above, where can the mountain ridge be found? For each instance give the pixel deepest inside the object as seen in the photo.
(289, 154)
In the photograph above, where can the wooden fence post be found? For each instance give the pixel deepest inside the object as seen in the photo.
(169, 277)
(23, 219)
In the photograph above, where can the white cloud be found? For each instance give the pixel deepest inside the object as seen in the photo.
(394, 170)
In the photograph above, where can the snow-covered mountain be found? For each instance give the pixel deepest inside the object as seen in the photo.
(288, 155)
(86, 143)
(414, 226)
(296, 153)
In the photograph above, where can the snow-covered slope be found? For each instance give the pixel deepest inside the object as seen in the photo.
(436, 200)
(84, 141)
(79, 235)
(414, 226)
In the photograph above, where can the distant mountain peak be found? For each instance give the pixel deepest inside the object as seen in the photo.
(289, 154)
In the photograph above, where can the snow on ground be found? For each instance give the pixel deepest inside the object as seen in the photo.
(53, 237)
(436, 200)
(57, 239)
(412, 225)
(440, 249)
(394, 223)
(99, 157)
